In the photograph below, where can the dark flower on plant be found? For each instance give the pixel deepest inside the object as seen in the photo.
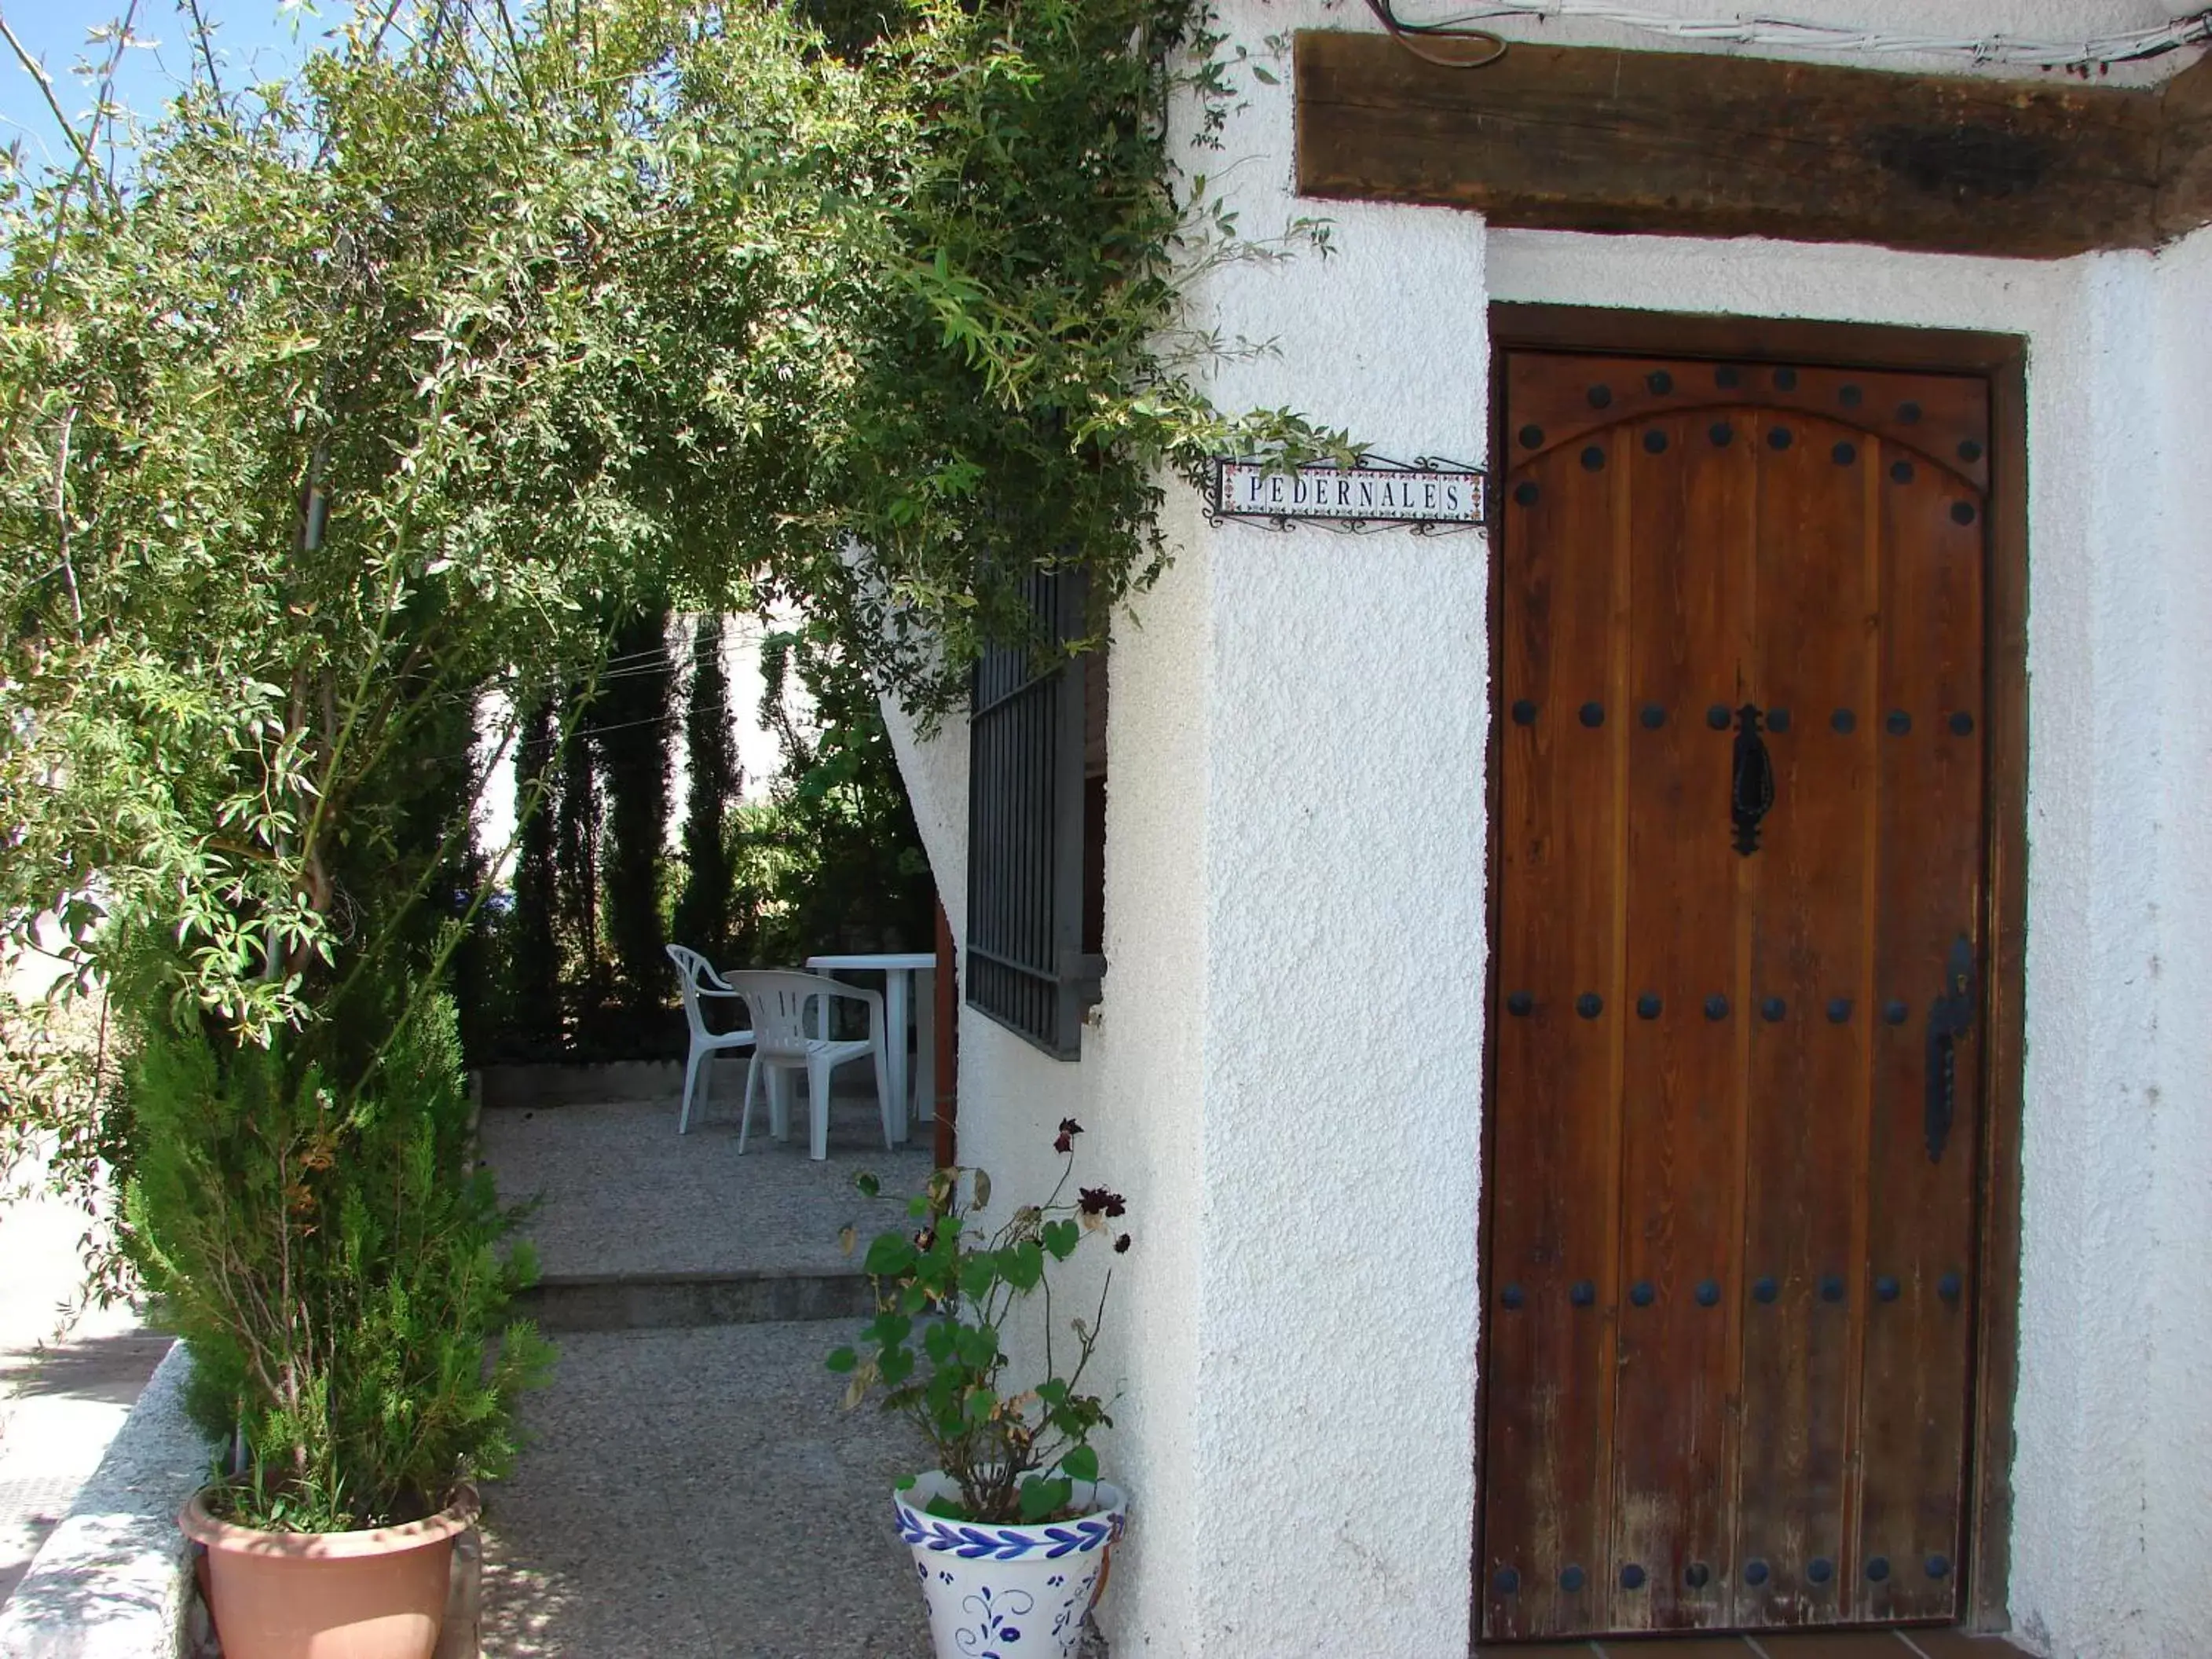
(1098, 1201)
(1121, 1245)
(1069, 1129)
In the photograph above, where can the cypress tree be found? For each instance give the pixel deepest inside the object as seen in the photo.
(703, 909)
(632, 721)
(578, 851)
(534, 964)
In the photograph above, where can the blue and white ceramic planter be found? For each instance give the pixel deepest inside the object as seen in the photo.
(1008, 1592)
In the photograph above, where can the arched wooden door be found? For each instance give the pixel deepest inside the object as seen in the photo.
(1730, 1269)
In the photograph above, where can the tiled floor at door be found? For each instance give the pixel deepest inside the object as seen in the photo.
(1824, 1645)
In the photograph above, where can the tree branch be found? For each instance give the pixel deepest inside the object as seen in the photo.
(61, 519)
(203, 37)
(37, 71)
(104, 103)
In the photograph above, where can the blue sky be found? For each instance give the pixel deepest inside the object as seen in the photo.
(255, 39)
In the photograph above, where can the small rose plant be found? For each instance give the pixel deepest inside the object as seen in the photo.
(944, 1292)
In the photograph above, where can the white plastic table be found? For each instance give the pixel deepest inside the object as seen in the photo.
(900, 971)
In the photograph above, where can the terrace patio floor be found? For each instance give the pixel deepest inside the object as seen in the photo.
(693, 1485)
(623, 1193)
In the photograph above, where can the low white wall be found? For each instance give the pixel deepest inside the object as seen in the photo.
(113, 1580)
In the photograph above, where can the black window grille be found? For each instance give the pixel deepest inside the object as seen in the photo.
(1036, 795)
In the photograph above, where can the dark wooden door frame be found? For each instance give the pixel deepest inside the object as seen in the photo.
(2002, 360)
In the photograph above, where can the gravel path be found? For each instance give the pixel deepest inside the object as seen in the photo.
(701, 1494)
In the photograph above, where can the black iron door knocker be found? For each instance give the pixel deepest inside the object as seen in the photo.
(1751, 789)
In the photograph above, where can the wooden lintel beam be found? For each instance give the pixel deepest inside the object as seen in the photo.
(1691, 143)
(2185, 173)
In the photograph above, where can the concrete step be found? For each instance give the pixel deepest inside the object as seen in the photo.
(685, 1299)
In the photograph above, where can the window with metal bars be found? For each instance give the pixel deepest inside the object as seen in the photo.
(1036, 800)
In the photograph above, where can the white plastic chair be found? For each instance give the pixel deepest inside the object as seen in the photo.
(697, 978)
(777, 999)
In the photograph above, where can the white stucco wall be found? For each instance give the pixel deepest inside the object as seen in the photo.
(1331, 1134)
(935, 771)
(1137, 1088)
(2178, 1230)
(1282, 1077)
(1295, 856)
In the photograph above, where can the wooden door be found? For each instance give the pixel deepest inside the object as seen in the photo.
(1731, 1273)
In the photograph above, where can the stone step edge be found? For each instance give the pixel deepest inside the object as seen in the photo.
(656, 1301)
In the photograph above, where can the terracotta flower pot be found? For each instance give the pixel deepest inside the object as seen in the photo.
(374, 1594)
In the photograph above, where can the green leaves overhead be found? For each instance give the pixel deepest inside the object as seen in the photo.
(373, 403)
(379, 391)
(379, 394)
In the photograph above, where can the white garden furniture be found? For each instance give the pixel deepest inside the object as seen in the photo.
(696, 977)
(910, 982)
(779, 1000)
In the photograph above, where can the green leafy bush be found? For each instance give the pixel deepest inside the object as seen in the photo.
(335, 1268)
(936, 1347)
(1025, 376)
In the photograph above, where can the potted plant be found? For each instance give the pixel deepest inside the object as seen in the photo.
(1011, 1529)
(333, 1273)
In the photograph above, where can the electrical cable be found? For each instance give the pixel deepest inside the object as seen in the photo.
(2190, 29)
(1486, 48)
(667, 722)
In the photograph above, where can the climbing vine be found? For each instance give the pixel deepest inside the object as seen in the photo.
(1024, 381)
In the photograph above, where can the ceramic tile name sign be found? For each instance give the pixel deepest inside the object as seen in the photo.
(1427, 496)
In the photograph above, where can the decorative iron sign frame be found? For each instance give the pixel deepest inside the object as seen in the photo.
(1429, 496)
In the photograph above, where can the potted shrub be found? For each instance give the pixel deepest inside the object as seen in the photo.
(333, 1269)
(1011, 1529)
